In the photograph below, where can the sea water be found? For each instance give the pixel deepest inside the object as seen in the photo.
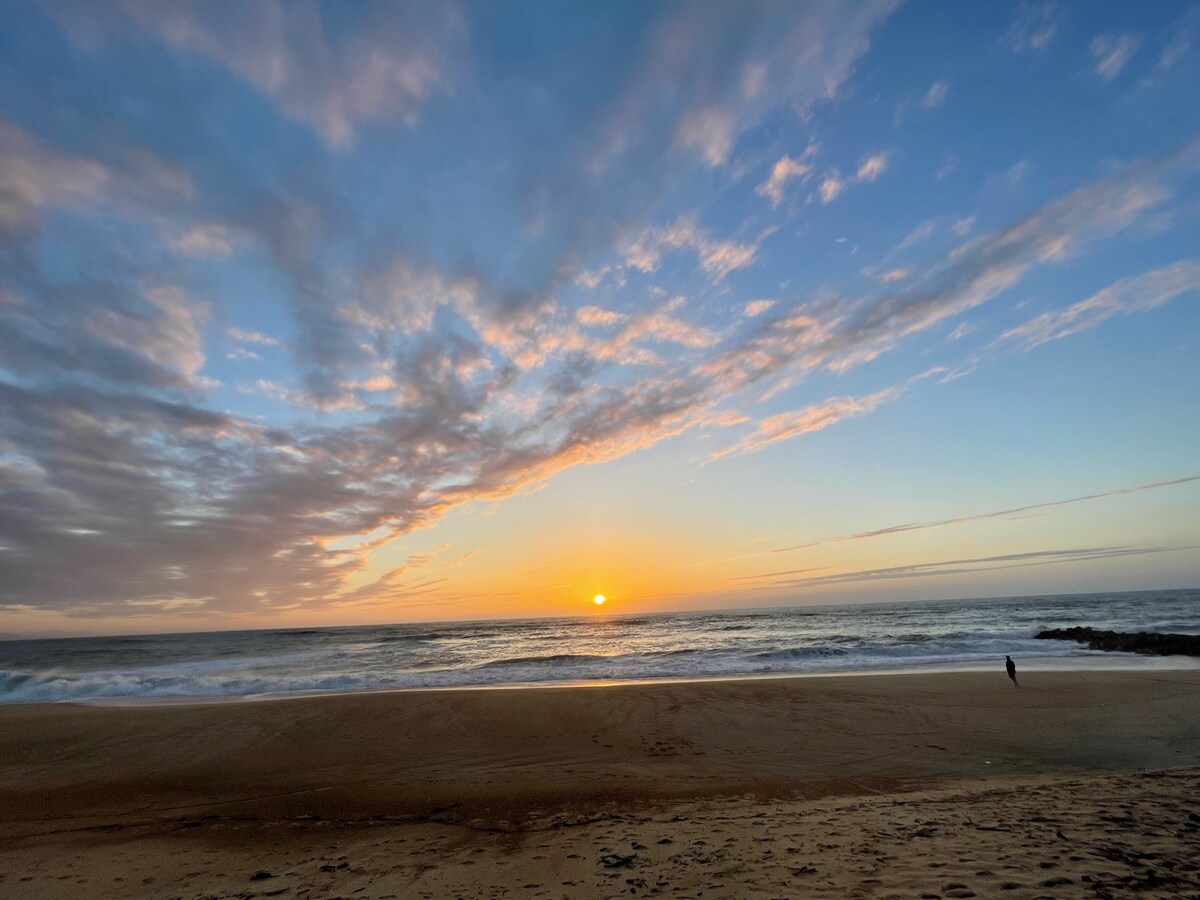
(885, 636)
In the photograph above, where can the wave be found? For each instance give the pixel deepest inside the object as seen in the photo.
(641, 647)
(552, 660)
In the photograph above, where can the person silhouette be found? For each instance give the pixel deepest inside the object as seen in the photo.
(1012, 670)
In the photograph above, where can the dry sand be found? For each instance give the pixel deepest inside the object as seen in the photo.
(949, 785)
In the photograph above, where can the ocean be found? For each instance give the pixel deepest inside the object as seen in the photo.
(877, 637)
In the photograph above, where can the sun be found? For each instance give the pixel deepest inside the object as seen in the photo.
(599, 599)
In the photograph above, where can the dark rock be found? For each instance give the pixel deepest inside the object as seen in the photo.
(260, 875)
(1147, 642)
(617, 861)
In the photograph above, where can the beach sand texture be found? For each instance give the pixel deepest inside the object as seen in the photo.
(951, 785)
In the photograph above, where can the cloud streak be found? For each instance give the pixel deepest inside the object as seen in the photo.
(334, 83)
(819, 416)
(969, 566)
(977, 517)
(1135, 294)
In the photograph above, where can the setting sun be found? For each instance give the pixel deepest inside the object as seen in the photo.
(599, 599)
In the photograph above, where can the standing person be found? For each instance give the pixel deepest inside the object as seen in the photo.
(1012, 670)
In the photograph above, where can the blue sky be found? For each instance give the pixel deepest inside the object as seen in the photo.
(331, 313)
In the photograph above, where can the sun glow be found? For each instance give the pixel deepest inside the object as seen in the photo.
(599, 599)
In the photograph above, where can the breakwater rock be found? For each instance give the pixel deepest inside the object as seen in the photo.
(1141, 642)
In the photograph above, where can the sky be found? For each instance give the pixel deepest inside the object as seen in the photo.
(324, 314)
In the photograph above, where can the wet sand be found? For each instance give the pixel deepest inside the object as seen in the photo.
(864, 786)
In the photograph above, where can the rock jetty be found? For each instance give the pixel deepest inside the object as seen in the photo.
(1141, 642)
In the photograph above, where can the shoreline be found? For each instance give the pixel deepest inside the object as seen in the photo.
(1051, 664)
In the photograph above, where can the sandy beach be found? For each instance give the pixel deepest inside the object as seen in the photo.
(947, 785)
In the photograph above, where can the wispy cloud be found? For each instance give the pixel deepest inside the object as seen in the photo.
(968, 566)
(1181, 41)
(834, 183)
(936, 95)
(710, 75)
(1137, 293)
(1133, 294)
(37, 177)
(818, 416)
(717, 258)
(786, 169)
(832, 186)
(892, 275)
(984, 267)
(1111, 52)
(995, 514)
(328, 79)
(247, 336)
(1034, 27)
(205, 241)
(757, 307)
(872, 167)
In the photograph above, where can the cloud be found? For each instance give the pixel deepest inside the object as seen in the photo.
(892, 275)
(819, 416)
(717, 258)
(995, 514)
(1034, 27)
(246, 336)
(919, 233)
(984, 267)
(1181, 41)
(594, 315)
(967, 566)
(936, 95)
(785, 169)
(961, 330)
(399, 297)
(931, 99)
(816, 417)
(208, 241)
(1111, 53)
(831, 186)
(1016, 173)
(709, 131)
(36, 176)
(962, 227)
(175, 503)
(872, 167)
(33, 176)
(388, 67)
(146, 335)
(1137, 293)
(839, 334)
(715, 71)
(756, 307)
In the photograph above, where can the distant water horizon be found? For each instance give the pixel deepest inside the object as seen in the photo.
(833, 639)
